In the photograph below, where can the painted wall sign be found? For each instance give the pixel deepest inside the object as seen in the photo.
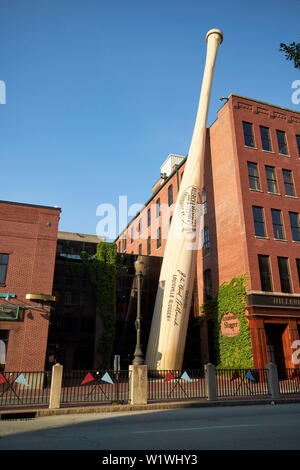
(230, 325)
(9, 312)
(273, 301)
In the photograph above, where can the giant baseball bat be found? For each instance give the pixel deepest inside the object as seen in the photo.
(167, 337)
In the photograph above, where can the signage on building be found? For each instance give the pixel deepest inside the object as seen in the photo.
(9, 312)
(273, 301)
(230, 325)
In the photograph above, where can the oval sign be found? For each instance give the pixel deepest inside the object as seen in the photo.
(230, 325)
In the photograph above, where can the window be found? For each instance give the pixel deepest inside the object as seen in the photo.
(284, 273)
(265, 273)
(132, 234)
(119, 247)
(277, 224)
(125, 242)
(248, 134)
(68, 298)
(294, 221)
(170, 221)
(204, 202)
(253, 176)
(158, 207)
(207, 285)
(148, 218)
(4, 337)
(206, 242)
(259, 223)
(265, 138)
(140, 227)
(288, 183)
(271, 179)
(298, 143)
(140, 249)
(298, 268)
(170, 195)
(148, 245)
(281, 142)
(158, 237)
(3, 267)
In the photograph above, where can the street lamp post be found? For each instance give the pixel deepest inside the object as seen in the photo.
(138, 354)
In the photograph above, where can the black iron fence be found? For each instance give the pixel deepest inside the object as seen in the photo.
(108, 386)
(241, 382)
(24, 388)
(289, 381)
(101, 386)
(175, 384)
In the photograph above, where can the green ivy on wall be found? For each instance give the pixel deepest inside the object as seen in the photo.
(236, 351)
(102, 268)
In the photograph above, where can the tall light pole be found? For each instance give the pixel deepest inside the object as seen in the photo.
(138, 354)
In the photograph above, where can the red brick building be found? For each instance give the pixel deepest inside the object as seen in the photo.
(251, 221)
(28, 238)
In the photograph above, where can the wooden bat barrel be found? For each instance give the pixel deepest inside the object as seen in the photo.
(167, 337)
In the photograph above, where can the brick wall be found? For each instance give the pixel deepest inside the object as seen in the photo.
(29, 235)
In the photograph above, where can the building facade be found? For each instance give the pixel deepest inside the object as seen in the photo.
(28, 237)
(250, 202)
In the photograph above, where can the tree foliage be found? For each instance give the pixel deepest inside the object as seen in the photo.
(292, 52)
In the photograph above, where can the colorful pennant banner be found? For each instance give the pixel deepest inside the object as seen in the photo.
(106, 378)
(250, 376)
(169, 377)
(185, 376)
(21, 380)
(235, 376)
(2, 379)
(88, 378)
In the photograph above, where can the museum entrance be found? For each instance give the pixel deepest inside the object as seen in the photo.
(275, 346)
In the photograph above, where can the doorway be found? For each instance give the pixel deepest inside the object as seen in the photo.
(275, 347)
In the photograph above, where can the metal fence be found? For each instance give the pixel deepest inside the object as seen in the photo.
(101, 386)
(289, 381)
(175, 384)
(241, 382)
(24, 388)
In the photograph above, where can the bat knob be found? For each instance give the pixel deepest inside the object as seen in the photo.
(215, 31)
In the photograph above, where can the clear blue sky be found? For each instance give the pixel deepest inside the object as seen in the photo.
(99, 92)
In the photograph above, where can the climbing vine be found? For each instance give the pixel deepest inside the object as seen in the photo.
(236, 351)
(102, 268)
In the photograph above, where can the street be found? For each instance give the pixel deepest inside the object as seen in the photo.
(255, 427)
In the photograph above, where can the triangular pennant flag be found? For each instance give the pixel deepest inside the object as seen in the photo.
(106, 378)
(88, 378)
(249, 376)
(21, 380)
(235, 376)
(185, 376)
(2, 379)
(170, 376)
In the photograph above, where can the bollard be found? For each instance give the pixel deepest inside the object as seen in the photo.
(210, 381)
(138, 384)
(273, 383)
(56, 381)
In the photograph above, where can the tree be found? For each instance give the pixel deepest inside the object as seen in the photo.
(292, 52)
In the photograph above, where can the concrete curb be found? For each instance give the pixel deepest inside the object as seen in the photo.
(40, 412)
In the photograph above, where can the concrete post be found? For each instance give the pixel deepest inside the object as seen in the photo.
(55, 392)
(210, 381)
(138, 384)
(273, 382)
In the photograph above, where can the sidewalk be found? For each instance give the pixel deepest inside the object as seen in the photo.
(31, 412)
